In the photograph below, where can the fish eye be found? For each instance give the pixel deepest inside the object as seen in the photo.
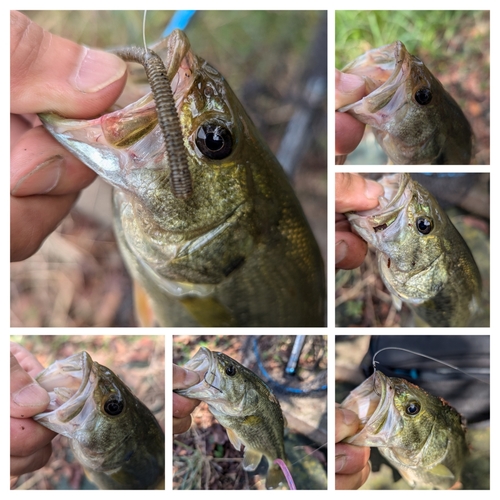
(423, 96)
(214, 141)
(424, 225)
(230, 370)
(114, 405)
(413, 409)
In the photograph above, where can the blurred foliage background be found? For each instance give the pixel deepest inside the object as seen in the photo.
(139, 360)
(78, 278)
(454, 45)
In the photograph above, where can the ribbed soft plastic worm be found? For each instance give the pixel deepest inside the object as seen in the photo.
(286, 472)
(168, 119)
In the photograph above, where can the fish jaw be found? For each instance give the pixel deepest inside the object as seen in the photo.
(126, 147)
(78, 380)
(204, 363)
(373, 402)
(384, 71)
(385, 221)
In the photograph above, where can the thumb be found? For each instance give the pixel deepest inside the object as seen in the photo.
(182, 378)
(50, 73)
(27, 398)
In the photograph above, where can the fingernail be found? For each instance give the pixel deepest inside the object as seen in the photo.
(98, 70)
(340, 461)
(31, 395)
(341, 250)
(191, 378)
(43, 179)
(373, 190)
(349, 417)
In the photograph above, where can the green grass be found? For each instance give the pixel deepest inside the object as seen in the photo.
(434, 34)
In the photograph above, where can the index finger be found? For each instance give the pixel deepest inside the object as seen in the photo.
(353, 192)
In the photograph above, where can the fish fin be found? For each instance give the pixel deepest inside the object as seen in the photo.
(441, 470)
(398, 303)
(251, 459)
(234, 438)
(208, 311)
(275, 477)
(143, 307)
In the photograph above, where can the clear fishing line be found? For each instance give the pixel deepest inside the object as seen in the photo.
(374, 363)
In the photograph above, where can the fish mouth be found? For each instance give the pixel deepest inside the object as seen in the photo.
(391, 204)
(70, 384)
(204, 363)
(384, 70)
(128, 139)
(372, 401)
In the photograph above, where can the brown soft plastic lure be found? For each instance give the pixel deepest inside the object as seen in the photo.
(168, 119)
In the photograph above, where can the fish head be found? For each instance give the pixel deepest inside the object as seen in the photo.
(420, 433)
(227, 386)
(91, 406)
(406, 229)
(127, 149)
(414, 119)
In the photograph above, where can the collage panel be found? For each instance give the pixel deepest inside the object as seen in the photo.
(209, 205)
(262, 420)
(420, 80)
(428, 258)
(416, 406)
(87, 412)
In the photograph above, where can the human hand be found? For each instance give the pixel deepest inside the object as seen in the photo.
(352, 192)
(348, 130)
(49, 73)
(30, 446)
(183, 407)
(351, 462)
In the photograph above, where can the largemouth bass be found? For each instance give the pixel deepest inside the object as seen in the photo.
(420, 434)
(422, 258)
(244, 405)
(238, 251)
(412, 116)
(112, 434)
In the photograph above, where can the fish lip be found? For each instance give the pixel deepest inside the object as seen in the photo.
(70, 410)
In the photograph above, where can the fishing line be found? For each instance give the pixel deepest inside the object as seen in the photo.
(374, 363)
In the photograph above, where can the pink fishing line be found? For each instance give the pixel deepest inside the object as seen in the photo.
(286, 472)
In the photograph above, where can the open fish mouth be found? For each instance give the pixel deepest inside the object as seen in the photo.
(70, 384)
(128, 138)
(384, 71)
(204, 363)
(396, 197)
(372, 402)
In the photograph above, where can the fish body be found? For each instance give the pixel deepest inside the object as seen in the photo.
(244, 405)
(422, 258)
(112, 434)
(238, 251)
(415, 120)
(420, 434)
